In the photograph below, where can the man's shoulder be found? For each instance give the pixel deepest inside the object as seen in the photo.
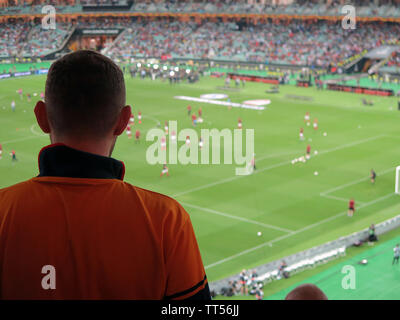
(16, 188)
(160, 203)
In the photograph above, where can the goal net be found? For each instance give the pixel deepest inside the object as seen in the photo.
(397, 186)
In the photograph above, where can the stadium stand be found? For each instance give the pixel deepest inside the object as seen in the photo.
(276, 43)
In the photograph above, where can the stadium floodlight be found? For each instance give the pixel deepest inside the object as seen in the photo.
(397, 180)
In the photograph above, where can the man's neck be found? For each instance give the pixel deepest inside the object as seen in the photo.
(99, 147)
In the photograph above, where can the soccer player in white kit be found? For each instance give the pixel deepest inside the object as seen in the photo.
(240, 123)
(301, 134)
(188, 141)
(307, 118)
(164, 171)
(163, 143)
(201, 143)
(315, 124)
(166, 127)
(173, 136)
(129, 132)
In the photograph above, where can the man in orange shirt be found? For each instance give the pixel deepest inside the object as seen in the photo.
(77, 230)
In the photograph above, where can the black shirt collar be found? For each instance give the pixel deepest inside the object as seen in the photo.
(59, 160)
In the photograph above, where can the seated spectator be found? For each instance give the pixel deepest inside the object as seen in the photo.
(371, 234)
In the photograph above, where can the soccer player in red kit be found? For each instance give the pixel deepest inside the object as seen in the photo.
(194, 119)
(200, 112)
(137, 135)
(132, 119)
(140, 117)
(128, 131)
(240, 123)
(308, 151)
(13, 156)
(189, 109)
(351, 207)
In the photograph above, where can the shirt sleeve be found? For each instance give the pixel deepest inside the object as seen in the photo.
(186, 277)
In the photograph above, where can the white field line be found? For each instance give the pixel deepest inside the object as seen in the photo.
(280, 164)
(21, 139)
(296, 232)
(275, 155)
(269, 226)
(37, 133)
(152, 118)
(337, 198)
(324, 193)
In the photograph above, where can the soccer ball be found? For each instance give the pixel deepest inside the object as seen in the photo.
(315, 173)
(259, 233)
(315, 152)
(325, 134)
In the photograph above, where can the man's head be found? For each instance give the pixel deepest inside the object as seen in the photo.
(85, 99)
(306, 292)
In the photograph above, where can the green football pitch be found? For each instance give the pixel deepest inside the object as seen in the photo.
(292, 207)
(378, 279)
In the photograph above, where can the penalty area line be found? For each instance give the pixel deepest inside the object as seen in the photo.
(295, 232)
(277, 165)
(223, 214)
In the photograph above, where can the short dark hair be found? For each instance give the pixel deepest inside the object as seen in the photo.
(85, 92)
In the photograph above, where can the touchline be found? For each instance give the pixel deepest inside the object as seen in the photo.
(197, 150)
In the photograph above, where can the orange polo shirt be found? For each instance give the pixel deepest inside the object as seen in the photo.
(102, 237)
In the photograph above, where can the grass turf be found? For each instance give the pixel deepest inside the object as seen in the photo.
(376, 280)
(280, 199)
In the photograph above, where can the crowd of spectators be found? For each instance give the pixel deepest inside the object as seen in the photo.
(314, 7)
(12, 38)
(25, 40)
(295, 42)
(43, 41)
(394, 61)
(317, 44)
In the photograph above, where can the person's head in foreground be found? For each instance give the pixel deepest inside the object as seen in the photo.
(85, 102)
(306, 291)
(77, 230)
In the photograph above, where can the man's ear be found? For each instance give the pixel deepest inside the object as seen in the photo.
(123, 120)
(41, 116)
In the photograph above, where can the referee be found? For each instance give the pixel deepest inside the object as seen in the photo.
(78, 230)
